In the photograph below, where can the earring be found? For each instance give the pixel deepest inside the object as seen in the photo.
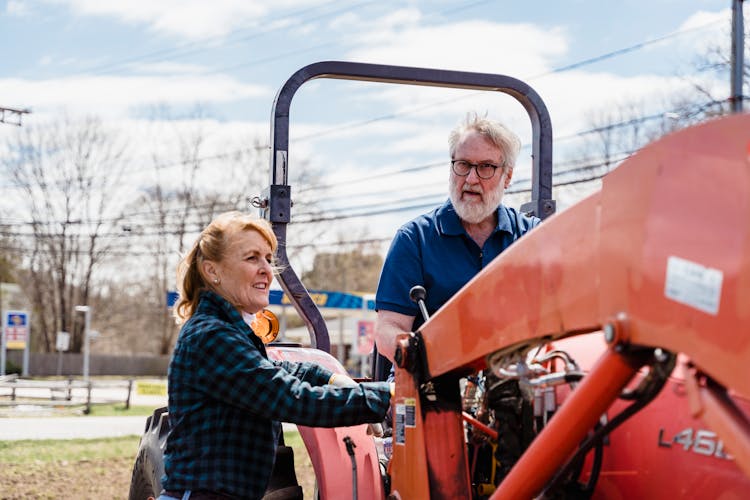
(216, 281)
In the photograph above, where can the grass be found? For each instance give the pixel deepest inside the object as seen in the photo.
(70, 450)
(97, 410)
(119, 410)
(293, 439)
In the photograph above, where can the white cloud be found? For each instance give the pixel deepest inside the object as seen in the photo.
(17, 8)
(424, 115)
(520, 50)
(168, 68)
(401, 18)
(570, 94)
(416, 138)
(480, 46)
(185, 18)
(114, 96)
(704, 18)
(343, 21)
(708, 29)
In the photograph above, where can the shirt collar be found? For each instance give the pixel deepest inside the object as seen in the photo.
(213, 300)
(449, 224)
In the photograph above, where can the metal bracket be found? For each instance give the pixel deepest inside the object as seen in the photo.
(279, 204)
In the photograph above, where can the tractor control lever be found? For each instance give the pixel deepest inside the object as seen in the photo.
(418, 294)
(407, 350)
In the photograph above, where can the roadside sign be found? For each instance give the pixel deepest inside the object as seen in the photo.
(16, 329)
(63, 341)
(365, 331)
(151, 388)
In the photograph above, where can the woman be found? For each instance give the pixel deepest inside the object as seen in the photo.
(226, 398)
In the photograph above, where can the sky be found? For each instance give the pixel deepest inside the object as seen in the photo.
(123, 61)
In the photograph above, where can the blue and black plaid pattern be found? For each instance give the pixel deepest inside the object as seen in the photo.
(226, 399)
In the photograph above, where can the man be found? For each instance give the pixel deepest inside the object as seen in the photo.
(443, 249)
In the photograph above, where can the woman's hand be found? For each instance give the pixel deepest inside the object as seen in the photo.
(340, 380)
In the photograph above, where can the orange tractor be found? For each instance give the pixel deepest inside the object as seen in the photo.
(606, 354)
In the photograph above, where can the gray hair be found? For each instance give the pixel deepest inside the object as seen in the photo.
(497, 133)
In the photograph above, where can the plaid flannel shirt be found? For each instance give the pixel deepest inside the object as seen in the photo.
(226, 399)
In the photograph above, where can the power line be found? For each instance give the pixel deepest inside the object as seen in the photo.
(423, 206)
(585, 62)
(402, 208)
(208, 208)
(272, 25)
(210, 43)
(213, 207)
(625, 50)
(628, 122)
(376, 175)
(351, 125)
(431, 165)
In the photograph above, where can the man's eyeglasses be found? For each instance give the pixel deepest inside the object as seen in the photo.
(462, 168)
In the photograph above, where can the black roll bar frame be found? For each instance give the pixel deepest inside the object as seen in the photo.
(276, 203)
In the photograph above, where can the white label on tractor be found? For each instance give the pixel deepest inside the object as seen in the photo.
(694, 285)
(410, 416)
(399, 434)
(404, 416)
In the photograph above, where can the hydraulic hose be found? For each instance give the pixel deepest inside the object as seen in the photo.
(350, 450)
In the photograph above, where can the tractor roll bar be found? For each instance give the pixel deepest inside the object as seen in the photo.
(276, 205)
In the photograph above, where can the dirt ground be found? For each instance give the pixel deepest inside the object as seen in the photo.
(104, 478)
(101, 479)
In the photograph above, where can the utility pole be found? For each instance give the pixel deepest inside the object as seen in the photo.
(738, 54)
(86, 310)
(10, 113)
(12, 116)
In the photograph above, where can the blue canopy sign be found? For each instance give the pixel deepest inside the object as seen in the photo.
(322, 298)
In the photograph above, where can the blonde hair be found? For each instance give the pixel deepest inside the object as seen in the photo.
(212, 245)
(497, 133)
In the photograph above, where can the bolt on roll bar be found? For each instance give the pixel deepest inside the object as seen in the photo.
(276, 203)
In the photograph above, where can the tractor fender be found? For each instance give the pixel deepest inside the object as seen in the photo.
(332, 464)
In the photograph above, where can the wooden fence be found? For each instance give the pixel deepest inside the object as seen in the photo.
(57, 393)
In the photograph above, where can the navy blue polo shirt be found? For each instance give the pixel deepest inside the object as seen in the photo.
(435, 251)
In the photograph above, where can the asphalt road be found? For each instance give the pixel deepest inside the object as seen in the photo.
(15, 429)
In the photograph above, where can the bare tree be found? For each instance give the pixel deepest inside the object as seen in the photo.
(175, 207)
(67, 176)
(354, 270)
(716, 58)
(8, 262)
(74, 210)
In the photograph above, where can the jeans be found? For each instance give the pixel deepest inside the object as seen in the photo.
(186, 496)
(195, 495)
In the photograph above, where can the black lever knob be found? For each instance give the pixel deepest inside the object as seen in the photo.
(418, 294)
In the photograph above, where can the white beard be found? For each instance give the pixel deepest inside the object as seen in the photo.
(474, 213)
